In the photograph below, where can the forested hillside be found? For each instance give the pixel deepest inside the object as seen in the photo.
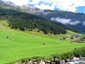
(24, 21)
(74, 21)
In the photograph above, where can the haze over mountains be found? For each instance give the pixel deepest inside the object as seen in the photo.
(74, 21)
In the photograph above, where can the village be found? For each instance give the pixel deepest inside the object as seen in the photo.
(75, 39)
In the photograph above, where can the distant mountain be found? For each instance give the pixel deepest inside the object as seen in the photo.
(23, 8)
(70, 20)
(74, 21)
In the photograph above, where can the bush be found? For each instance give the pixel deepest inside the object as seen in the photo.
(79, 52)
(38, 58)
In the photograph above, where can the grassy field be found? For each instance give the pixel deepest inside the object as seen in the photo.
(23, 45)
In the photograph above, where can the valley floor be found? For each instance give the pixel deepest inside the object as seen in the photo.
(23, 45)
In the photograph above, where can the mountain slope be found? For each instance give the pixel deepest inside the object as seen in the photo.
(74, 21)
(12, 6)
(24, 21)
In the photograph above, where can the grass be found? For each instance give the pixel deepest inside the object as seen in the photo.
(30, 44)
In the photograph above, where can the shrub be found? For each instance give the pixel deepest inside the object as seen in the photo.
(79, 52)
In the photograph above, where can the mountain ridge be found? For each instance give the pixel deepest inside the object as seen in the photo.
(73, 21)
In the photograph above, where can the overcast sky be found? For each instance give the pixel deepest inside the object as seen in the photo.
(67, 5)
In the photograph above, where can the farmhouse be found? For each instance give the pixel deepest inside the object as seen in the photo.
(74, 36)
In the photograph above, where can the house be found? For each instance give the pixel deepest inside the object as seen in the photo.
(74, 36)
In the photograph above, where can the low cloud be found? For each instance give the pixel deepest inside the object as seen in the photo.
(67, 5)
(64, 21)
(74, 22)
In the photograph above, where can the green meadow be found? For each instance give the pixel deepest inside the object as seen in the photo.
(29, 44)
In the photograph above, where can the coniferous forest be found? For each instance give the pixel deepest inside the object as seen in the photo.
(24, 21)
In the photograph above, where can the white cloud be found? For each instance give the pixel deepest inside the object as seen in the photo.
(34, 2)
(65, 21)
(67, 5)
(19, 2)
(44, 6)
(74, 22)
(61, 20)
(70, 5)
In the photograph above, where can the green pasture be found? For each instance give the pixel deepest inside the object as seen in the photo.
(30, 44)
(23, 45)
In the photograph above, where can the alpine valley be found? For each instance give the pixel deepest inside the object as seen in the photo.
(28, 35)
